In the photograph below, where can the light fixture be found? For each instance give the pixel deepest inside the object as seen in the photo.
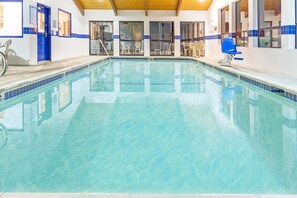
(201, 1)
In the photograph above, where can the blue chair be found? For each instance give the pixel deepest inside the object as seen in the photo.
(230, 51)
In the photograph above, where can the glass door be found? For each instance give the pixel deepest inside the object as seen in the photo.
(162, 38)
(191, 32)
(131, 38)
(101, 30)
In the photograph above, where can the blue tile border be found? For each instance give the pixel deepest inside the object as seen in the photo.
(116, 36)
(261, 85)
(18, 91)
(177, 37)
(83, 36)
(232, 35)
(291, 96)
(29, 30)
(213, 37)
(146, 37)
(253, 33)
(288, 29)
(8, 94)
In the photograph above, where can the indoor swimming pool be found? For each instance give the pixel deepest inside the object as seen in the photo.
(139, 126)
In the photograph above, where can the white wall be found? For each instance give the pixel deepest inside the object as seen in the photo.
(282, 61)
(273, 60)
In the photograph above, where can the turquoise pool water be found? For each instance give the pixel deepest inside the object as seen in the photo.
(149, 127)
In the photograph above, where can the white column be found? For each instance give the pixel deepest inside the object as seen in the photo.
(116, 41)
(253, 22)
(288, 18)
(177, 41)
(146, 40)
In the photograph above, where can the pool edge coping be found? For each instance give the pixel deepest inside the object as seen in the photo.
(290, 94)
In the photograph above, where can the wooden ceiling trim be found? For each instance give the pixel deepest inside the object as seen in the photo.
(178, 7)
(79, 7)
(114, 8)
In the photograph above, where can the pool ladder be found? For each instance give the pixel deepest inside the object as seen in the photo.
(100, 42)
(3, 57)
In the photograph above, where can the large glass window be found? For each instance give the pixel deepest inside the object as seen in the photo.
(103, 31)
(242, 22)
(225, 22)
(162, 38)
(191, 32)
(269, 15)
(131, 38)
(64, 23)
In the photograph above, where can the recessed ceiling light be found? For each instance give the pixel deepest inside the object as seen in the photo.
(201, 0)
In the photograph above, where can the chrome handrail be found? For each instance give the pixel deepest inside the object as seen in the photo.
(100, 42)
(4, 62)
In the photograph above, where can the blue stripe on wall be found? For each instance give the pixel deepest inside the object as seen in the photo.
(288, 29)
(253, 33)
(116, 36)
(147, 37)
(73, 35)
(213, 37)
(29, 30)
(177, 37)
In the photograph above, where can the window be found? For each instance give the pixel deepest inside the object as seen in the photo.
(11, 18)
(104, 31)
(225, 22)
(64, 23)
(191, 32)
(242, 22)
(269, 16)
(131, 38)
(162, 38)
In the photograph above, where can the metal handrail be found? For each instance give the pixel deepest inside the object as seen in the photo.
(4, 62)
(100, 42)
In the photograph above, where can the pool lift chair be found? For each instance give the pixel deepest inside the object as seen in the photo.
(230, 51)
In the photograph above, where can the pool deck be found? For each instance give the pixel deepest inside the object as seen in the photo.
(95, 195)
(20, 75)
(285, 82)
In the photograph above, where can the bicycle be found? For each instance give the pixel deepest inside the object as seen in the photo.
(4, 57)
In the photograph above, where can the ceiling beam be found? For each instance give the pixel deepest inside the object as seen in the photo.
(114, 8)
(178, 7)
(146, 7)
(79, 6)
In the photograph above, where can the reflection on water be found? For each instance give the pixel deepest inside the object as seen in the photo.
(149, 127)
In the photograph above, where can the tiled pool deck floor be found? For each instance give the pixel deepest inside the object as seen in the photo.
(17, 76)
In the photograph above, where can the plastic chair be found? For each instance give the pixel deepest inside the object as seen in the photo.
(137, 48)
